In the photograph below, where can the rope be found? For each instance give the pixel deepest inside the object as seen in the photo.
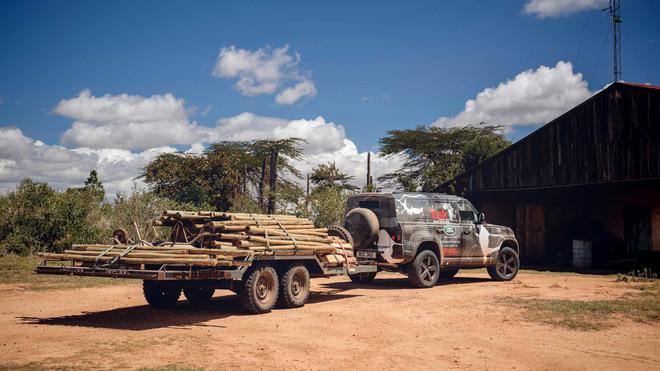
(121, 255)
(256, 221)
(99, 256)
(295, 243)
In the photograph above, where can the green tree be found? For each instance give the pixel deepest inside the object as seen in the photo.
(433, 155)
(325, 176)
(94, 185)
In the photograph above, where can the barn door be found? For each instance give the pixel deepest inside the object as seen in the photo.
(530, 232)
(637, 228)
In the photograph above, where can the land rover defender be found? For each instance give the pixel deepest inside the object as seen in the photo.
(428, 236)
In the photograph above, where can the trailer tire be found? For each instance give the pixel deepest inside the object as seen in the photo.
(198, 295)
(294, 287)
(260, 289)
(161, 295)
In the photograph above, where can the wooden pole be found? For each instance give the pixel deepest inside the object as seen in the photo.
(273, 181)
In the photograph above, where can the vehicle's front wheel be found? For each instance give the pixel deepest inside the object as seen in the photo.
(161, 295)
(363, 277)
(507, 265)
(424, 271)
(260, 290)
(198, 295)
(294, 287)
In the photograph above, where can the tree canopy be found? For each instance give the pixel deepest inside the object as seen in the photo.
(433, 155)
(325, 176)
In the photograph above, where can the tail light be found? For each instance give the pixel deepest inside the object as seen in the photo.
(396, 234)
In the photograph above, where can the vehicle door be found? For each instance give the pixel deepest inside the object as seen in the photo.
(446, 222)
(471, 251)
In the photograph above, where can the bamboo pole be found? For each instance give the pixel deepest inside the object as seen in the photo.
(180, 261)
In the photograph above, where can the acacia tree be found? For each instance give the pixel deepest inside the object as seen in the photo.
(433, 155)
(326, 176)
(326, 203)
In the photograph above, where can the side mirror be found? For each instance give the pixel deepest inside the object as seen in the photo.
(482, 218)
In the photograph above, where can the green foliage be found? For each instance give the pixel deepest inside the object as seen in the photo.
(326, 206)
(326, 176)
(228, 172)
(434, 155)
(37, 218)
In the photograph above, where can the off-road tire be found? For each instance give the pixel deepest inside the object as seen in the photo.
(161, 295)
(363, 277)
(198, 295)
(341, 232)
(448, 273)
(424, 270)
(363, 226)
(260, 289)
(294, 287)
(507, 266)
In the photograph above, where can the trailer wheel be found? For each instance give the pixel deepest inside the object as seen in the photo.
(260, 290)
(294, 287)
(161, 295)
(198, 295)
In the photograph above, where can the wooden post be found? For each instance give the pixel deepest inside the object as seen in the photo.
(262, 183)
(273, 181)
(369, 171)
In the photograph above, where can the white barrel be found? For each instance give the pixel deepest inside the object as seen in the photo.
(581, 254)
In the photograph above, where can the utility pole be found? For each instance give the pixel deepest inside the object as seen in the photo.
(369, 171)
(615, 14)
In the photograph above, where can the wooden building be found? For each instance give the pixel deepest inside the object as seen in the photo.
(587, 183)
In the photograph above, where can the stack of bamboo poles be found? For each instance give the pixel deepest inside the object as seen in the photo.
(177, 254)
(216, 239)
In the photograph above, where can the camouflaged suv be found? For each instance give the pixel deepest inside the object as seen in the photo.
(428, 236)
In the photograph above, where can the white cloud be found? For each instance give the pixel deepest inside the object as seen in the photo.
(560, 8)
(293, 94)
(127, 121)
(532, 97)
(264, 71)
(22, 157)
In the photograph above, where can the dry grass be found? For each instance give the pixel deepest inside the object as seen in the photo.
(595, 315)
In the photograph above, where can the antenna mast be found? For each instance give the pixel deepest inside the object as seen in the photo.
(615, 14)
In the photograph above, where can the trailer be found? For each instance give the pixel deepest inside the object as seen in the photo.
(265, 276)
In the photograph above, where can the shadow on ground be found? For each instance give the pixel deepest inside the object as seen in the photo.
(399, 283)
(184, 315)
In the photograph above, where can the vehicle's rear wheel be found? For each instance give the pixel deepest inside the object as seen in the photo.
(448, 273)
(294, 287)
(260, 290)
(363, 277)
(198, 295)
(341, 232)
(424, 271)
(161, 295)
(507, 266)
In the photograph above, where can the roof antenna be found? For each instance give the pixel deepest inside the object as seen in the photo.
(615, 14)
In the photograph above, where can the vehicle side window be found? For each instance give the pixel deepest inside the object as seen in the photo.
(445, 210)
(467, 212)
(413, 208)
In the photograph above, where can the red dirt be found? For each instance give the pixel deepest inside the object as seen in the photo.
(461, 324)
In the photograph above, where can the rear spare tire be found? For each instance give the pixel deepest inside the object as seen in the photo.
(363, 226)
(160, 294)
(260, 289)
(424, 271)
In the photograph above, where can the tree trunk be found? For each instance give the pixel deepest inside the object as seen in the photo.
(273, 181)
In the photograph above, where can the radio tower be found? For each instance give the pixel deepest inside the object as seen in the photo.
(615, 14)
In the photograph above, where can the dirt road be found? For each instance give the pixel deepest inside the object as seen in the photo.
(464, 323)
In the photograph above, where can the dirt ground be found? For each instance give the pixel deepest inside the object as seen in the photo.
(464, 323)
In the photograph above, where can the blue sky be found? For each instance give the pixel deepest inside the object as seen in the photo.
(375, 66)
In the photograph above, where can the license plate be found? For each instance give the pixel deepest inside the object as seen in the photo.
(366, 254)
